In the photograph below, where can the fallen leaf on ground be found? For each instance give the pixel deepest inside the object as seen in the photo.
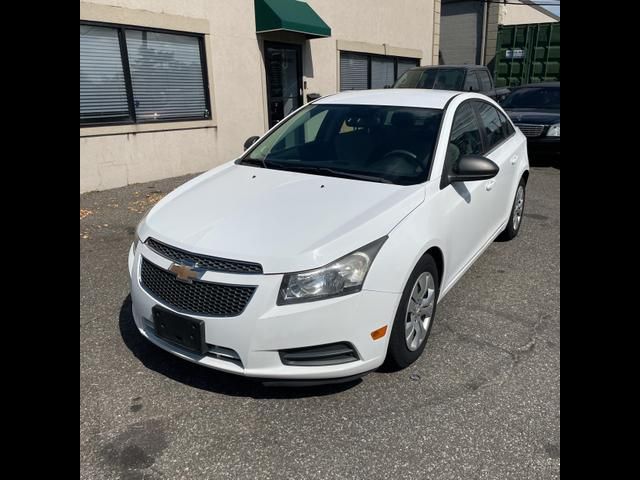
(141, 206)
(85, 212)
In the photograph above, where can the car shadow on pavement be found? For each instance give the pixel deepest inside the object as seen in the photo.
(204, 378)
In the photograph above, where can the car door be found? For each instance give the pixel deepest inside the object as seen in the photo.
(466, 208)
(502, 148)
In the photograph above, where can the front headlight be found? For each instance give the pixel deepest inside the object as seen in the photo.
(136, 235)
(342, 277)
(136, 242)
(554, 130)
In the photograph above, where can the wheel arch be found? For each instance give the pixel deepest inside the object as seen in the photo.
(438, 257)
(391, 271)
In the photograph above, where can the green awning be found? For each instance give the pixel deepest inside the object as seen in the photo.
(289, 15)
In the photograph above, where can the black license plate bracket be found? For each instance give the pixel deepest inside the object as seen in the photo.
(185, 332)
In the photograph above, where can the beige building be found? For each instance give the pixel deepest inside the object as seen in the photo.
(518, 12)
(169, 88)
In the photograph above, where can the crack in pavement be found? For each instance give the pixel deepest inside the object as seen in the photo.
(517, 354)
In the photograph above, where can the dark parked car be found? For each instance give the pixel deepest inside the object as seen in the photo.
(535, 109)
(464, 78)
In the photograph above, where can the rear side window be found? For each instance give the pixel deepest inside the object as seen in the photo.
(465, 138)
(485, 81)
(471, 82)
(492, 124)
(442, 79)
(507, 127)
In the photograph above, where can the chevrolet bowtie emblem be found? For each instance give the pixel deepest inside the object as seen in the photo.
(185, 273)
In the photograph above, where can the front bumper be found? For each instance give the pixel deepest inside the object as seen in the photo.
(544, 144)
(264, 328)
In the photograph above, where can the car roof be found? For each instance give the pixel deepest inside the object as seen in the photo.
(539, 84)
(465, 66)
(400, 97)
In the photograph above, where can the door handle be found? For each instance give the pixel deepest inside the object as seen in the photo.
(490, 184)
(514, 159)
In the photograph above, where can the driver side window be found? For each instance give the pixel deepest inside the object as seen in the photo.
(465, 138)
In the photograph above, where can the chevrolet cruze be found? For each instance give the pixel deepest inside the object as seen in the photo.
(323, 250)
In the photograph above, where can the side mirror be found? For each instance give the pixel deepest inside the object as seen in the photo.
(250, 141)
(473, 167)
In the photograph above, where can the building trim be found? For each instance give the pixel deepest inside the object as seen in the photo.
(378, 49)
(543, 10)
(144, 128)
(359, 47)
(435, 39)
(402, 52)
(142, 18)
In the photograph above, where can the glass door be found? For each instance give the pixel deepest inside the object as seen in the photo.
(284, 79)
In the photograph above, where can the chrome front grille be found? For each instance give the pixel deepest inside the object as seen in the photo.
(206, 262)
(198, 297)
(530, 130)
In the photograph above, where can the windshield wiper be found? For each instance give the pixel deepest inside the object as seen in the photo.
(255, 162)
(312, 169)
(326, 170)
(358, 176)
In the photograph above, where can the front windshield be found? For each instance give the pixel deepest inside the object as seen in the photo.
(533, 97)
(436, 78)
(367, 142)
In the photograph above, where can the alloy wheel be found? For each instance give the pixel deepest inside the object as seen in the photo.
(420, 310)
(518, 207)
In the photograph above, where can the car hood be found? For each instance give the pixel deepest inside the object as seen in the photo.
(286, 221)
(540, 117)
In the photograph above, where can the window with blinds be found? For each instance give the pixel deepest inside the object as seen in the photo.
(382, 72)
(354, 71)
(131, 75)
(359, 71)
(103, 92)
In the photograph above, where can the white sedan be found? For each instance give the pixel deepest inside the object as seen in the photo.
(324, 249)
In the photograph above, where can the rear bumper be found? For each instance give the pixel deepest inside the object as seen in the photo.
(263, 329)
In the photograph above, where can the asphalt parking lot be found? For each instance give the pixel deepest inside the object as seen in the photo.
(483, 401)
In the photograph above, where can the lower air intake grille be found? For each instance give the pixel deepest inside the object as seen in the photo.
(198, 298)
(223, 353)
(330, 354)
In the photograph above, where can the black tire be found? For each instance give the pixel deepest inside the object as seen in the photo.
(398, 353)
(511, 230)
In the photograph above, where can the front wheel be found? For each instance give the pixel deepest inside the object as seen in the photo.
(517, 210)
(414, 318)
